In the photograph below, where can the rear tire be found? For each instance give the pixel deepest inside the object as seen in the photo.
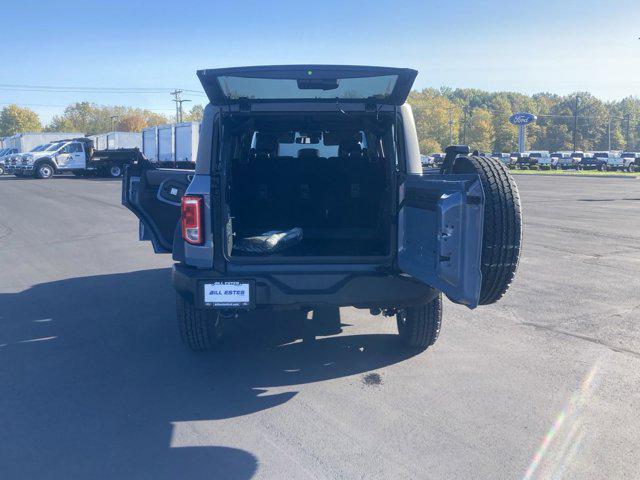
(327, 321)
(115, 171)
(502, 230)
(419, 326)
(200, 330)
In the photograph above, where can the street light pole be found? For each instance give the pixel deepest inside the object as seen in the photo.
(181, 101)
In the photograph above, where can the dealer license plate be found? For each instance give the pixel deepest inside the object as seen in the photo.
(227, 294)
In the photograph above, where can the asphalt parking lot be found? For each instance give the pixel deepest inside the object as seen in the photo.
(94, 382)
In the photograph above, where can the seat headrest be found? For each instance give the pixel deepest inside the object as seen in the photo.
(266, 142)
(308, 153)
(350, 148)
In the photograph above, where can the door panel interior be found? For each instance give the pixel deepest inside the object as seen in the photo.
(440, 233)
(154, 195)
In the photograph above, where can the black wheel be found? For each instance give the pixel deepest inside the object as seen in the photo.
(1, 170)
(327, 321)
(502, 230)
(632, 168)
(199, 329)
(44, 171)
(419, 326)
(115, 171)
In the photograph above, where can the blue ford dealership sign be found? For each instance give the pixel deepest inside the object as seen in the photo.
(522, 118)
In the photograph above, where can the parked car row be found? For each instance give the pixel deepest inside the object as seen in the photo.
(5, 152)
(560, 160)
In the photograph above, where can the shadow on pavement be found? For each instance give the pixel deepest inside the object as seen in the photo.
(93, 377)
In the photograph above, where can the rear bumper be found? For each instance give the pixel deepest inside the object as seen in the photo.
(310, 289)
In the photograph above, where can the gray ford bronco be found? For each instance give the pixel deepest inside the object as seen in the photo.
(309, 195)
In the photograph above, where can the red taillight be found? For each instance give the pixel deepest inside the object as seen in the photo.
(192, 219)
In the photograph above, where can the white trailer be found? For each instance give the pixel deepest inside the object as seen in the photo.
(25, 142)
(150, 143)
(187, 136)
(99, 141)
(166, 144)
(172, 145)
(115, 140)
(124, 140)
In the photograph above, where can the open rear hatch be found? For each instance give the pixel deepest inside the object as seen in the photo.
(381, 85)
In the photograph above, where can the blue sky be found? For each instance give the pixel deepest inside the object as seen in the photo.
(520, 45)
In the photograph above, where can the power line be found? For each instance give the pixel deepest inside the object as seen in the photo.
(64, 106)
(84, 89)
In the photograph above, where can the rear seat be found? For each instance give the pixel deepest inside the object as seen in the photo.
(309, 183)
(360, 186)
(254, 193)
(307, 191)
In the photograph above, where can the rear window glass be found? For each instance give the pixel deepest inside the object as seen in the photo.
(291, 89)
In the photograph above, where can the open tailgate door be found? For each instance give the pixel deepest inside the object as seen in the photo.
(440, 233)
(330, 83)
(154, 195)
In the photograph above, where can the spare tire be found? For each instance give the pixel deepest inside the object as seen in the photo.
(502, 230)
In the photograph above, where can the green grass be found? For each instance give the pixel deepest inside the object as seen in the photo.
(574, 173)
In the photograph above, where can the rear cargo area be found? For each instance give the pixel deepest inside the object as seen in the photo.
(325, 179)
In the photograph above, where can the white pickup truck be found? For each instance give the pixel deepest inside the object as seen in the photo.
(77, 156)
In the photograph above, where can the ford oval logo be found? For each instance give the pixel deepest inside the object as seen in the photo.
(522, 118)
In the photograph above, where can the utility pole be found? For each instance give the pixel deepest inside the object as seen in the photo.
(451, 126)
(176, 98)
(628, 143)
(575, 122)
(609, 134)
(467, 116)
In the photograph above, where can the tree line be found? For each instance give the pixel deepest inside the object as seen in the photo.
(443, 116)
(88, 118)
(480, 119)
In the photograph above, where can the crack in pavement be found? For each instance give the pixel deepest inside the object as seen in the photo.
(64, 241)
(580, 231)
(80, 196)
(597, 341)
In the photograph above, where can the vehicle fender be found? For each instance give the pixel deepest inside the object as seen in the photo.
(42, 160)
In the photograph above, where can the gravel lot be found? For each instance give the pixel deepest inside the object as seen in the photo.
(94, 382)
